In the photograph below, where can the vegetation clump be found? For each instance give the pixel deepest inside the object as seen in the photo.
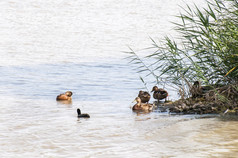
(206, 52)
(214, 101)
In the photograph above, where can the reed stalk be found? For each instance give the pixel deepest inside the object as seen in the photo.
(207, 49)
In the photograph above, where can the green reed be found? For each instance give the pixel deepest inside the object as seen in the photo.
(207, 49)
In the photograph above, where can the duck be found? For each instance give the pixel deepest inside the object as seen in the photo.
(82, 115)
(65, 96)
(159, 93)
(144, 96)
(142, 106)
(198, 91)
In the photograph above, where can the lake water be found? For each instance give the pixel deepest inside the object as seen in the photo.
(48, 47)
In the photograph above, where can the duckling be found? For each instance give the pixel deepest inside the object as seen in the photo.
(142, 106)
(159, 93)
(65, 96)
(82, 115)
(144, 96)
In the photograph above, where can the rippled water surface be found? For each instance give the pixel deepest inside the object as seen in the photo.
(48, 47)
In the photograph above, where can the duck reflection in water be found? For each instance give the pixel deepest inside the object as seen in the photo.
(65, 102)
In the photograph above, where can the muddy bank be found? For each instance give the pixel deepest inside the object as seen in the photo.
(214, 101)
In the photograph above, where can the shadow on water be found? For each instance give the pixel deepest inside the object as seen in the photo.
(227, 118)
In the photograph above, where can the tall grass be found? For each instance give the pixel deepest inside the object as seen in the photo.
(207, 49)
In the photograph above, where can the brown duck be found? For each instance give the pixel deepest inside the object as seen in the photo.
(197, 90)
(159, 93)
(142, 106)
(65, 96)
(144, 96)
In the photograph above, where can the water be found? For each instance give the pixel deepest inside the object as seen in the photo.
(48, 47)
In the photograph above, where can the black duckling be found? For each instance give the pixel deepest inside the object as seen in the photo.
(65, 96)
(82, 115)
(141, 106)
(159, 93)
(144, 96)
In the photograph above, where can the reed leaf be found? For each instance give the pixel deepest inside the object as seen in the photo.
(206, 50)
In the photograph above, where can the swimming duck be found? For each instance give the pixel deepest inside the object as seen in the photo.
(82, 115)
(144, 96)
(142, 106)
(159, 93)
(65, 96)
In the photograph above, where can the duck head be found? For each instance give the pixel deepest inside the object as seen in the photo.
(79, 111)
(137, 99)
(196, 84)
(69, 93)
(154, 89)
